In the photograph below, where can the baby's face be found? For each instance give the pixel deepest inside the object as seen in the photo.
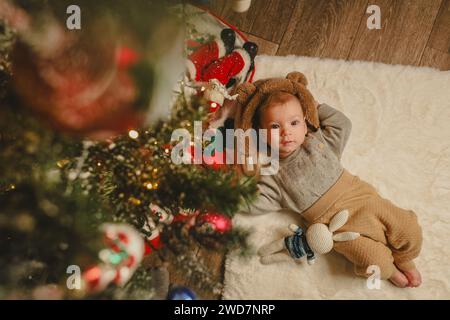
(288, 121)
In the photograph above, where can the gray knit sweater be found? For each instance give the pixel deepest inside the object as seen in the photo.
(306, 174)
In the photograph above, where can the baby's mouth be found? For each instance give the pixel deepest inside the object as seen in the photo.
(285, 143)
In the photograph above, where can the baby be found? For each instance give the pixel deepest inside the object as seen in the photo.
(312, 181)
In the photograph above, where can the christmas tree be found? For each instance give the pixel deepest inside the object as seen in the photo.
(87, 180)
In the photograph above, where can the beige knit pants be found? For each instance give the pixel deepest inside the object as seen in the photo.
(390, 236)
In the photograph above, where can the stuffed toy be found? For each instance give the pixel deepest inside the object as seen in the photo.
(210, 52)
(233, 67)
(220, 59)
(318, 239)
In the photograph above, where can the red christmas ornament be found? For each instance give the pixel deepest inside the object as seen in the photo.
(126, 57)
(213, 106)
(213, 221)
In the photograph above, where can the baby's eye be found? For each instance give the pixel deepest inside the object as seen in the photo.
(274, 126)
(295, 122)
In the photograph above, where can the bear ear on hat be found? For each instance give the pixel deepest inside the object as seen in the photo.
(308, 104)
(297, 77)
(245, 91)
(307, 101)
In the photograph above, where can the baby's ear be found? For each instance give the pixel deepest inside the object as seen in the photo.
(297, 77)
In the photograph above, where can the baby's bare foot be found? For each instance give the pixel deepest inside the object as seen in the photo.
(399, 279)
(414, 277)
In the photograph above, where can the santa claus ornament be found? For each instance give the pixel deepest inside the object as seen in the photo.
(221, 60)
(233, 67)
(210, 52)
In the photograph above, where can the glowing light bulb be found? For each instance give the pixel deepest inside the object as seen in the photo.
(133, 134)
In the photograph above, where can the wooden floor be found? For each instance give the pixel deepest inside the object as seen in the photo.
(415, 32)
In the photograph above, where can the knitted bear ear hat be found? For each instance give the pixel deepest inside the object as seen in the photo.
(252, 95)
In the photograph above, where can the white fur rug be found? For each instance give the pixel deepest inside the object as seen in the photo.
(400, 143)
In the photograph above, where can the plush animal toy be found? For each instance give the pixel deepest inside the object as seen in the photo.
(220, 59)
(210, 52)
(296, 245)
(318, 239)
(233, 67)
